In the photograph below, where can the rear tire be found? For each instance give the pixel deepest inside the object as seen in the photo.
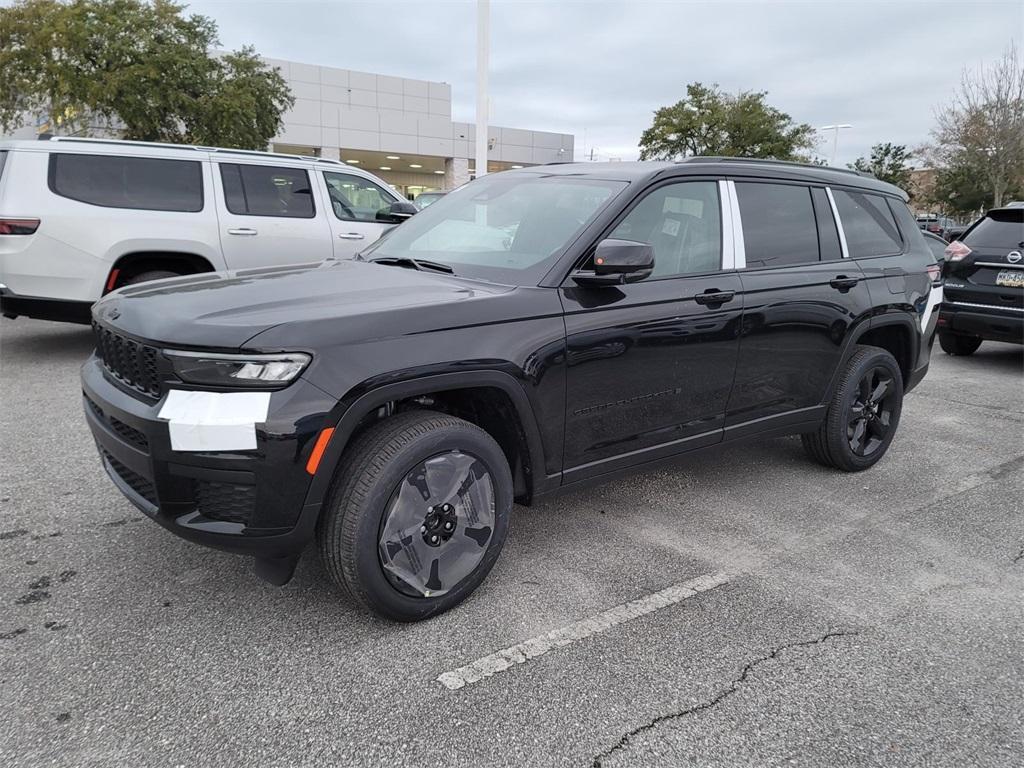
(417, 514)
(863, 414)
(959, 345)
(152, 274)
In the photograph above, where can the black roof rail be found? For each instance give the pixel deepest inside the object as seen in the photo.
(769, 161)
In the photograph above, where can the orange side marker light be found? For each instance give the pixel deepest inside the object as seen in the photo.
(318, 450)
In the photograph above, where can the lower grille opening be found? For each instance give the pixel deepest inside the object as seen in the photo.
(129, 434)
(227, 502)
(135, 481)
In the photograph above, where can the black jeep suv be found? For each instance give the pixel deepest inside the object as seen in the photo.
(533, 330)
(984, 283)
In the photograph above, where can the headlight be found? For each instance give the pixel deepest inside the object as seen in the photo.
(260, 371)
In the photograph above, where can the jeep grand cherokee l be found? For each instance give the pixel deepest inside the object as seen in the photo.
(984, 283)
(531, 331)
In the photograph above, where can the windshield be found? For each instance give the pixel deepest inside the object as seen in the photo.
(506, 228)
(999, 229)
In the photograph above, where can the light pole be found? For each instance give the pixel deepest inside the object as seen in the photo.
(835, 141)
(483, 43)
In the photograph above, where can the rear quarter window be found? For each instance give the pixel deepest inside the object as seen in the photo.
(999, 229)
(868, 224)
(138, 183)
(3, 161)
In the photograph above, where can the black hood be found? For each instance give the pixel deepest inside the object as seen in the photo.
(226, 309)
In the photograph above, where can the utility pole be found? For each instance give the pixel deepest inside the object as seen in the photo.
(483, 44)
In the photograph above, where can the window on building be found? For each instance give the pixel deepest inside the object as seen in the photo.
(779, 227)
(683, 224)
(266, 190)
(354, 198)
(868, 224)
(142, 183)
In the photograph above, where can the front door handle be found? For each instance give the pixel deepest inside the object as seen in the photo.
(714, 296)
(245, 231)
(842, 283)
(351, 236)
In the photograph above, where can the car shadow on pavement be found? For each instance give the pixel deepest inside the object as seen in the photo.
(51, 339)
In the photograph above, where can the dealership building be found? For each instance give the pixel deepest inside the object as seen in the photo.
(399, 129)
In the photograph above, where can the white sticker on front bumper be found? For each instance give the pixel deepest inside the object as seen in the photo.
(214, 421)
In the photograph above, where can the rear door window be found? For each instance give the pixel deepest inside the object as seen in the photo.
(779, 226)
(267, 190)
(868, 224)
(139, 183)
(999, 229)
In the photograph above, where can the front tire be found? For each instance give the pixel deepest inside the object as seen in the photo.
(417, 515)
(863, 414)
(956, 344)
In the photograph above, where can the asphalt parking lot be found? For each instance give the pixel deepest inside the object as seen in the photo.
(869, 619)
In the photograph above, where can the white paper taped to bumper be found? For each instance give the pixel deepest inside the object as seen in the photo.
(214, 421)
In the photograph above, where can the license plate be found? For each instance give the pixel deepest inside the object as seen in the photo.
(1010, 278)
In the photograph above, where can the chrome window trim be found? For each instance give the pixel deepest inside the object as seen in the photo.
(739, 249)
(984, 306)
(839, 224)
(728, 235)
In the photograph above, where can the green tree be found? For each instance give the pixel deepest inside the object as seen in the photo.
(711, 122)
(136, 68)
(888, 163)
(964, 190)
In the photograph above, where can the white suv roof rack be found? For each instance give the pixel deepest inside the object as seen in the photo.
(195, 147)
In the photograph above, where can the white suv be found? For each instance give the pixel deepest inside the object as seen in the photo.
(82, 217)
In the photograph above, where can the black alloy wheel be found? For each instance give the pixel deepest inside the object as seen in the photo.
(862, 415)
(871, 413)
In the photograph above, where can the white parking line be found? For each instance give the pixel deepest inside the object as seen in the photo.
(579, 630)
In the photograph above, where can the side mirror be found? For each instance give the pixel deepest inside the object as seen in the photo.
(617, 262)
(396, 213)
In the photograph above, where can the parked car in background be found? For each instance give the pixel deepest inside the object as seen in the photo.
(423, 199)
(534, 330)
(936, 224)
(937, 246)
(82, 217)
(984, 283)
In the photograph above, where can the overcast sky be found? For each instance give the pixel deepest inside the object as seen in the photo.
(599, 69)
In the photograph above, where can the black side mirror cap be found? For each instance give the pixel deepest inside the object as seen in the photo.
(397, 212)
(617, 262)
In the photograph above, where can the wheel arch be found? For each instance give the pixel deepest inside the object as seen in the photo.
(897, 334)
(476, 396)
(136, 262)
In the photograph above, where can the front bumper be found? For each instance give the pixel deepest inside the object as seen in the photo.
(989, 322)
(248, 501)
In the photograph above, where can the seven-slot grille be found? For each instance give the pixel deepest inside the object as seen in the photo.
(128, 361)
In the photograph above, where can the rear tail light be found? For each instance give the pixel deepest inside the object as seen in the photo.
(957, 251)
(935, 273)
(18, 226)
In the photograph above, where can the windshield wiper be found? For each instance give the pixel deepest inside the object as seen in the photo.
(421, 264)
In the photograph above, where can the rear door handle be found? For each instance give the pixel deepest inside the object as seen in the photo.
(714, 296)
(842, 283)
(351, 236)
(246, 231)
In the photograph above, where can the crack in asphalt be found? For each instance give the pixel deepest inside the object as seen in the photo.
(725, 693)
(1019, 557)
